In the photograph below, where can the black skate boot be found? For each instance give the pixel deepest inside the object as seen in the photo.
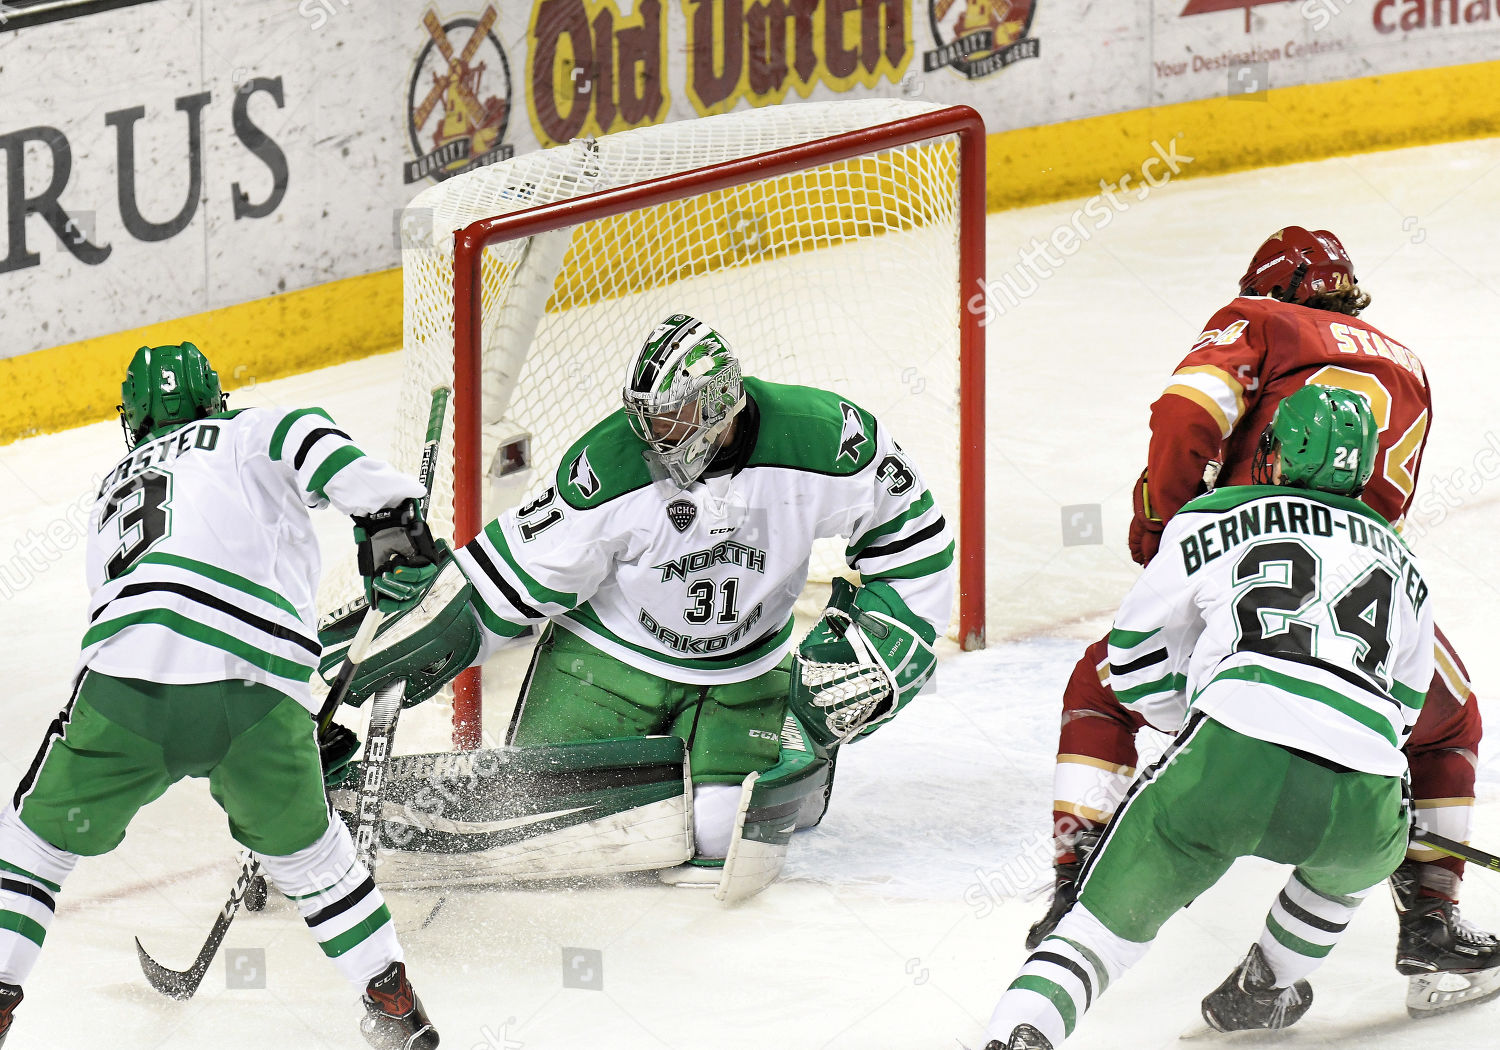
(394, 1018)
(10, 996)
(1064, 891)
(1450, 962)
(1249, 999)
(1024, 1037)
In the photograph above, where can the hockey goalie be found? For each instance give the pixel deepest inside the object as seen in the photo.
(669, 719)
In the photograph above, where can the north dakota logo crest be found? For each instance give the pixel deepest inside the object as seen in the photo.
(458, 101)
(979, 37)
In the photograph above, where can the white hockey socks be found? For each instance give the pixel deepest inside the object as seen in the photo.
(1301, 929)
(1063, 977)
(338, 900)
(31, 875)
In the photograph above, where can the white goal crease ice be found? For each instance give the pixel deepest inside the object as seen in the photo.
(845, 274)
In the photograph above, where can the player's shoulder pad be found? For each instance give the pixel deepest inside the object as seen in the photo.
(604, 464)
(809, 429)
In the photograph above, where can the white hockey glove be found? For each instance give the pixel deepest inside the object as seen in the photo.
(860, 664)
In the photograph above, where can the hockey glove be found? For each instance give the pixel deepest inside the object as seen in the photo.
(337, 747)
(860, 664)
(396, 537)
(1145, 527)
(426, 639)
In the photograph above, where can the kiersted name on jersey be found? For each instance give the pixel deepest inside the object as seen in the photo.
(195, 436)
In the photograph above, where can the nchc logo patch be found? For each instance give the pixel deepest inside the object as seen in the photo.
(682, 513)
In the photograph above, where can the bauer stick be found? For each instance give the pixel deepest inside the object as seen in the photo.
(182, 984)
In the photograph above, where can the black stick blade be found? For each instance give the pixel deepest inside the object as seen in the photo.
(181, 985)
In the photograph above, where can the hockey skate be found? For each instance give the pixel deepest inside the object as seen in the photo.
(1064, 891)
(1450, 962)
(394, 1018)
(10, 996)
(1249, 999)
(1024, 1037)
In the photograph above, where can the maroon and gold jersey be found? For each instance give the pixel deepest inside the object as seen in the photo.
(1254, 352)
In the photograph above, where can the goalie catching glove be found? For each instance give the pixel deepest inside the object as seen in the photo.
(429, 633)
(862, 662)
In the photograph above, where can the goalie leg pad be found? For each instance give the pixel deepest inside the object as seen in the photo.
(426, 642)
(553, 811)
(773, 804)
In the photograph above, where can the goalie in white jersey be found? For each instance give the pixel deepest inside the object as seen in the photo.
(202, 564)
(662, 566)
(1286, 630)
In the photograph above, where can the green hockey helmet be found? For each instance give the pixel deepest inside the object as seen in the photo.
(682, 395)
(165, 387)
(1327, 440)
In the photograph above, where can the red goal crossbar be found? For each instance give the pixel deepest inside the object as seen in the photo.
(468, 249)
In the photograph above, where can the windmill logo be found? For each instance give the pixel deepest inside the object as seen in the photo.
(458, 101)
(979, 37)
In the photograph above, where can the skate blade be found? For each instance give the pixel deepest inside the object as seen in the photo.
(1200, 1029)
(1428, 995)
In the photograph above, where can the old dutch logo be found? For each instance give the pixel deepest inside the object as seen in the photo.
(682, 513)
(979, 37)
(458, 101)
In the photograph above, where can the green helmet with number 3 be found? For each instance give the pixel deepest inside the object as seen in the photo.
(1327, 440)
(682, 396)
(165, 387)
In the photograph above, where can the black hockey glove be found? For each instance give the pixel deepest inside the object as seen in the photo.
(337, 747)
(396, 536)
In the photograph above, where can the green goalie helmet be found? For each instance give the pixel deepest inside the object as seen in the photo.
(165, 387)
(682, 395)
(1327, 440)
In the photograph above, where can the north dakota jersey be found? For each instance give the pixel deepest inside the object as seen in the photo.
(1292, 616)
(202, 561)
(698, 585)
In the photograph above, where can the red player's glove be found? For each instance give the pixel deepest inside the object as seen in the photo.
(1145, 527)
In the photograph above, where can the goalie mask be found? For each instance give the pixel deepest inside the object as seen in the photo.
(682, 397)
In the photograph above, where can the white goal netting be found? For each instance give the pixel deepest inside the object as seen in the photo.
(844, 275)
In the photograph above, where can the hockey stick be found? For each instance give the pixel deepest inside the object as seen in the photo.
(182, 984)
(1431, 840)
(385, 709)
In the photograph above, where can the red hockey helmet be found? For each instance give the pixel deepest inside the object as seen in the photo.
(1294, 265)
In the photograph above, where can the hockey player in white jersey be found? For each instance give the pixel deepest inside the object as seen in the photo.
(1286, 631)
(662, 567)
(202, 564)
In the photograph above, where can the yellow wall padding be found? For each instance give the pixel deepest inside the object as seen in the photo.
(327, 324)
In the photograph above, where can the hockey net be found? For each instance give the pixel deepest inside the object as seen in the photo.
(837, 260)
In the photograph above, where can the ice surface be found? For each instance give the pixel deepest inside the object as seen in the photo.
(901, 919)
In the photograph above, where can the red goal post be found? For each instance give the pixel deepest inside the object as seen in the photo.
(960, 122)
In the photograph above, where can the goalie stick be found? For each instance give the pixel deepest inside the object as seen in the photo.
(182, 984)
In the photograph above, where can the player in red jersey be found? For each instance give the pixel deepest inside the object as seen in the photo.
(1295, 322)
